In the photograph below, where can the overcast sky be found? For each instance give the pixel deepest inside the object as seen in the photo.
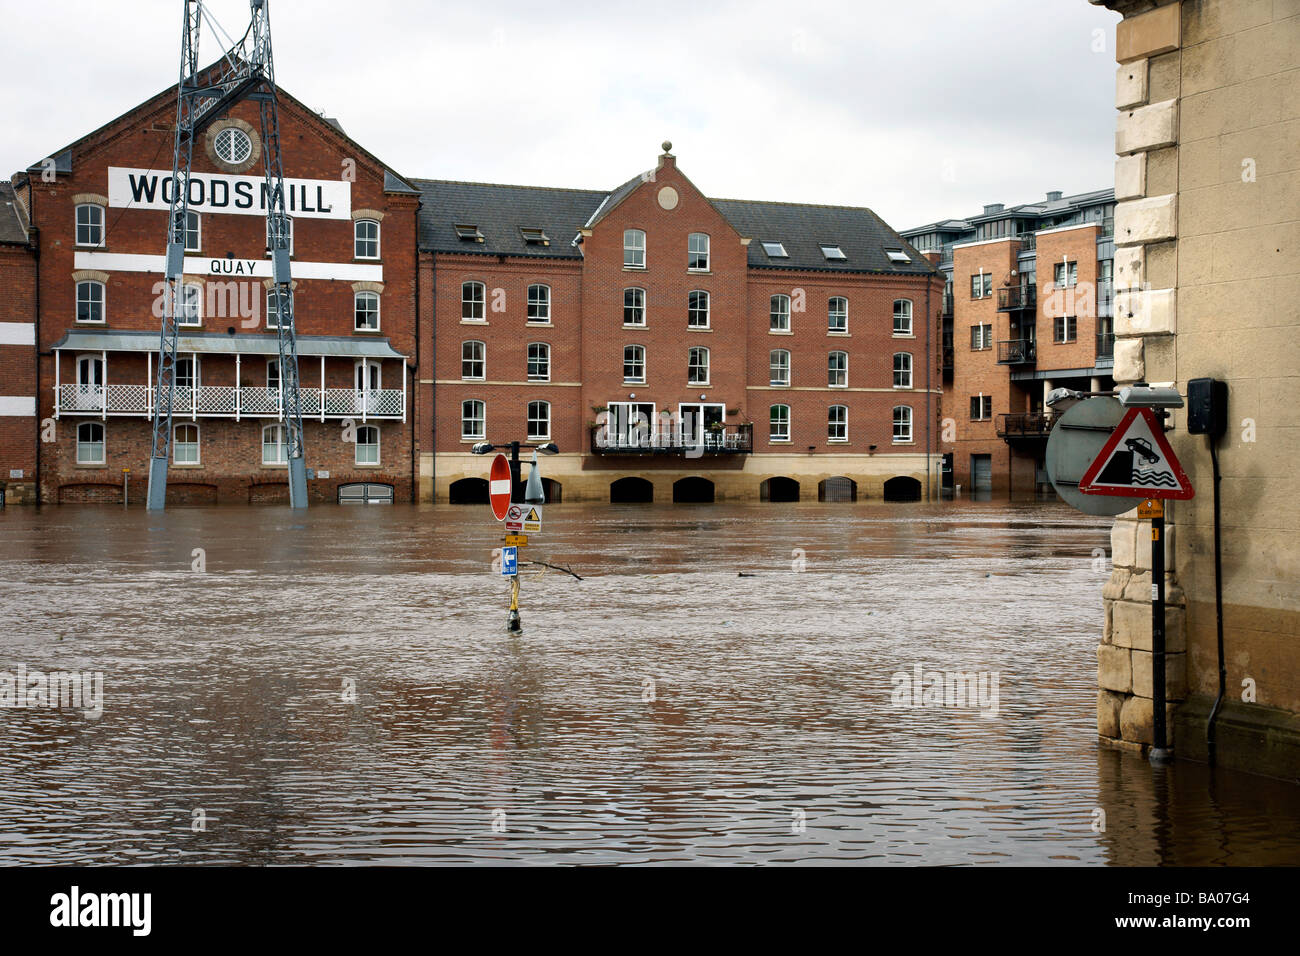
(920, 109)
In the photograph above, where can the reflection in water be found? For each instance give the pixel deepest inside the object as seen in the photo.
(663, 709)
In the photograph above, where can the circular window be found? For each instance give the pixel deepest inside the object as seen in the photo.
(232, 145)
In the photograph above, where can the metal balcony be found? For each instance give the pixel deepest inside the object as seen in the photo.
(225, 401)
(1024, 425)
(1017, 297)
(731, 440)
(1017, 352)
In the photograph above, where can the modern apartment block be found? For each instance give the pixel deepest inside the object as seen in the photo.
(1027, 307)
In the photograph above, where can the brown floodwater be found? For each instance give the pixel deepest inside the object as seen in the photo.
(338, 686)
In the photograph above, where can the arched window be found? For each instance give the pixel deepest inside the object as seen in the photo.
(539, 362)
(634, 364)
(539, 420)
(778, 423)
(837, 423)
(902, 423)
(697, 252)
(90, 301)
(634, 307)
(473, 419)
(190, 311)
(365, 308)
(902, 316)
(274, 451)
(365, 235)
(539, 303)
(472, 301)
(90, 443)
(902, 370)
(185, 444)
(367, 375)
(90, 225)
(837, 370)
(473, 360)
(367, 445)
(633, 249)
(837, 314)
(779, 367)
(780, 311)
(697, 367)
(697, 310)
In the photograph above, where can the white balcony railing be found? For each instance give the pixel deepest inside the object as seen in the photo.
(226, 401)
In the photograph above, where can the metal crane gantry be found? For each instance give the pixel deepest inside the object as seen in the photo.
(245, 71)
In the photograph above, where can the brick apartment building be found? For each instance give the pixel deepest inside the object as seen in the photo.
(674, 347)
(1027, 307)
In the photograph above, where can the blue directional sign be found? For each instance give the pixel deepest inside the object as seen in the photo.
(510, 561)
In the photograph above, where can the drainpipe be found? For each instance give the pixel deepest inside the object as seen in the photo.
(929, 361)
(415, 376)
(34, 237)
(1210, 730)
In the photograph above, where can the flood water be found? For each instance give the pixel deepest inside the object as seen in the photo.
(338, 686)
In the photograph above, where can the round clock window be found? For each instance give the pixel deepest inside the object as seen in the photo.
(232, 146)
(668, 197)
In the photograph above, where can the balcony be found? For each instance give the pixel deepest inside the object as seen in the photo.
(1017, 297)
(1024, 425)
(1017, 352)
(731, 440)
(225, 401)
(1105, 349)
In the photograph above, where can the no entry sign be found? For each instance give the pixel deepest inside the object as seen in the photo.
(499, 486)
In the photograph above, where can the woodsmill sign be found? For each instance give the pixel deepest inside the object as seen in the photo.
(233, 195)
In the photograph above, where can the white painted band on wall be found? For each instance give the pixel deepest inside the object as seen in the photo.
(17, 333)
(232, 268)
(21, 406)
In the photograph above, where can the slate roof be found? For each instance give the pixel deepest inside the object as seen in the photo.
(125, 340)
(13, 224)
(1041, 208)
(499, 211)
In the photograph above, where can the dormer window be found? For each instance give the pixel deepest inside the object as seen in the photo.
(534, 236)
(468, 232)
(775, 250)
(833, 253)
(897, 257)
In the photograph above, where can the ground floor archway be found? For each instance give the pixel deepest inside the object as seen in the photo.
(837, 488)
(468, 491)
(631, 491)
(902, 488)
(693, 490)
(779, 489)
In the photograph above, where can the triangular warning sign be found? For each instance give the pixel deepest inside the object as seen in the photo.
(1137, 461)
(532, 515)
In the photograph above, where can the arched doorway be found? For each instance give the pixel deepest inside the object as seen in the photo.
(779, 489)
(552, 490)
(468, 491)
(837, 488)
(631, 491)
(902, 489)
(693, 490)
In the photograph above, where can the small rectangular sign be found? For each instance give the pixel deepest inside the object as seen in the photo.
(15, 472)
(517, 540)
(1151, 508)
(509, 561)
(533, 518)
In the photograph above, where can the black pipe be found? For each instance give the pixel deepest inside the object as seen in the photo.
(929, 362)
(34, 236)
(1218, 608)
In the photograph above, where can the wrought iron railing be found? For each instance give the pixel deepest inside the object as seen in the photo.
(1017, 297)
(671, 440)
(1024, 425)
(226, 401)
(1017, 352)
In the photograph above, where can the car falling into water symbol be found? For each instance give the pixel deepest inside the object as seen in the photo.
(1142, 448)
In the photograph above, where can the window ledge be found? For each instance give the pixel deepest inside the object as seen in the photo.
(698, 328)
(699, 272)
(779, 332)
(472, 441)
(698, 385)
(904, 335)
(473, 321)
(634, 268)
(91, 466)
(839, 335)
(537, 323)
(266, 467)
(778, 384)
(198, 465)
(641, 326)
(778, 441)
(367, 332)
(375, 466)
(899, 441)
(539, 381)
(837, 441)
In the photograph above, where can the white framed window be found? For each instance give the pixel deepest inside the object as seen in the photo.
(367, 452)
(981, 285)
(539, 362)
(473, 360)
(185, 373)
(190, 310)
(634, 307)
(778, 364)
(473, 419)
(778, 423)
(193, 232)
(90, 374)
(697, 252)
(473, 298)
(633, 249)
(539, 303)
(902, 423)
(837, 314)
(697, 366)
(981, 408)
(90, 301)
(1066, 274)
(634, 364)
(902, 370)
(837, 370)
(185, 444)
(273, 374)
(697, 310)
(232, 146)
(981, 337)
(274, 448)
(367, 375)
(837, 423)
(539, 421)
(365, 239)
(779, 308)
(902, 316)
(1065, 328)
(90, 225)
(273, 310)
(288, 234)
(90, 443)
(365, 311)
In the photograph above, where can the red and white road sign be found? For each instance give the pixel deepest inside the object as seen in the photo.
(499, 485)
(1137, 461)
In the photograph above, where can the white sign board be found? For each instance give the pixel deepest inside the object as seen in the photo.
(232, 195)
